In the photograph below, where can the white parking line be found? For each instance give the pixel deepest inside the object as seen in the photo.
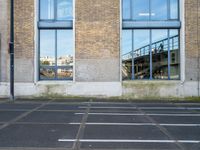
(136, 124)
(129, 141)
(146, 108)
(140, 114)
(109, 107)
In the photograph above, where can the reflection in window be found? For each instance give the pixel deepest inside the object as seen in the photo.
(46, 9)
(47, 47)
(64, 9)
(64, 48)
(160, 54)
(126, 9)
(56, 43)
(159, 9)
(149, 51)
(47, 73)
(141, 54)
(154, 10)
(127, 54)
(173, 9)
(141, 10)
(56, 10)
(64, 73)
(174, 54)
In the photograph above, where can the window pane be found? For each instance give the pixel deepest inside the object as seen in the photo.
(64, 10)
(46, 9)
(174, 54)
(47, 73)
(127, 54)
(140, 10)
(142, 54)
(126, 9)
(65, 73)
(159, 9)
(160, 54)
(173, 9)
(64, 48)
(47, 47)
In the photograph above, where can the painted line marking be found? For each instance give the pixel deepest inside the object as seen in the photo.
(137, 124)
(129, 141)
(140, 114)
(110, 107)
(146, 108)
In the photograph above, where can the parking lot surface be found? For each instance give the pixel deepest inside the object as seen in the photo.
(71, 125)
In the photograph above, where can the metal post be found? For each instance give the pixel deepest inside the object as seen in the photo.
(11, 47)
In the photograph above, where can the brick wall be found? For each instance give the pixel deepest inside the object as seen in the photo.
(24, 40)
(97, 40)
(192, 38)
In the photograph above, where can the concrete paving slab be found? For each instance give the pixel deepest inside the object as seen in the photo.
(6, 116)
(117, 119)
(17, 106)
(51, 117)
(123, 132)
(37, 135)
(177, 119)
(130, 146)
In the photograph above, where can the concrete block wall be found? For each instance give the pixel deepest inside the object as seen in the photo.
(97, 27)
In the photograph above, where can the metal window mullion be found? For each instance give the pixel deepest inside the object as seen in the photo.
(131, 9)
(55, 68)
(169, 56)
(133, 64)
(168, 10)
(149, 10)
(150, 55)
(55, 10)
(39, 55)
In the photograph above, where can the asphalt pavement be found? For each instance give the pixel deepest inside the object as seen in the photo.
(90, 125)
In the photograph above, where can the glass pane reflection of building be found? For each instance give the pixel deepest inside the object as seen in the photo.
(160, 54)
(141, 54)
(150, 10)
(56, 54)
(137, 51)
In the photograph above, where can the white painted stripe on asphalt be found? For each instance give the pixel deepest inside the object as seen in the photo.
(109, 107)
(129, 141)
(118, 124)
(140, 114)
(146, 108)
(137, 124)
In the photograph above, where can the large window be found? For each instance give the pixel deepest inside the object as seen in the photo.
(150, 54)
(150, 40)
(56, 40)
(56, 54)
(144, 10)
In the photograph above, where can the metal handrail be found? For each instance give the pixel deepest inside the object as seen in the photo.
(138, 52)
